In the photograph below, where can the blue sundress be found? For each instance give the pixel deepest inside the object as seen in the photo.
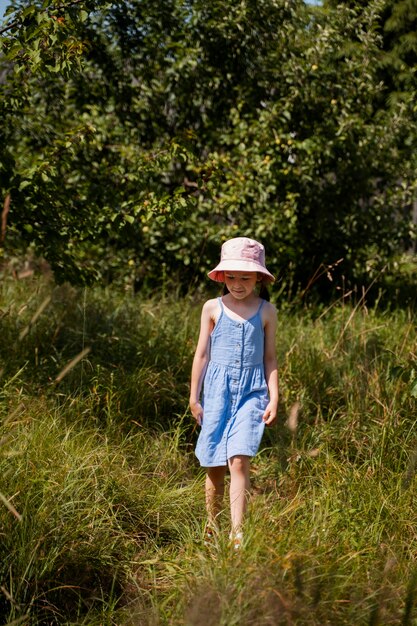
(235, 392)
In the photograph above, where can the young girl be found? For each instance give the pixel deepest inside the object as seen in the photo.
(235, 359)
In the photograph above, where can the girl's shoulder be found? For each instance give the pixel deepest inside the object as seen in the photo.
(211, 304)
(268, 306)
(211, 309)
(269, 312)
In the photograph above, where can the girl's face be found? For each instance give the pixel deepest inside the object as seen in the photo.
(240, 284)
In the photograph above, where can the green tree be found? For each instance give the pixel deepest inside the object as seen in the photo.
(310, 165)
(260, 118)
(397, 25)
(72, 172)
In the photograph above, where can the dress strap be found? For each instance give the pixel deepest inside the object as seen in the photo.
(221, 314)
(260, 306)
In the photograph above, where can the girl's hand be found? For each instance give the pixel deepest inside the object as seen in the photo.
(197, 411)
(270, 414)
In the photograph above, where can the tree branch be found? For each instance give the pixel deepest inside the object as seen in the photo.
(48, 10)
(6, 207)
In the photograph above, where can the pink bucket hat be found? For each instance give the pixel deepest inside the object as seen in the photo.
(241, 254)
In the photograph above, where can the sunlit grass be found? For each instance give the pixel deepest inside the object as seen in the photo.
(102, 504)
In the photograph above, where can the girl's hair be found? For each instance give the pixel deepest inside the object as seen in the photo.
(263, 291)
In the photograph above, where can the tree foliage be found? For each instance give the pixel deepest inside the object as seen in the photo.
(145, 132)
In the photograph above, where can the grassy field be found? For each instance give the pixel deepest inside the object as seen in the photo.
(102, 506)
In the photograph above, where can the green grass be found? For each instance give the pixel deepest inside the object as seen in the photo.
(103, 507)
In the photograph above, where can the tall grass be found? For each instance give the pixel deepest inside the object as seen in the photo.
(102, 504)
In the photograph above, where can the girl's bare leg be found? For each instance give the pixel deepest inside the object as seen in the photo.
(239, 490)
(214, 492)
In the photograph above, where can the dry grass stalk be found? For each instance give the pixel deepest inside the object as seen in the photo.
(71, 364)
(16, 413)
(10, 506)
(37, 314)
(19, 620)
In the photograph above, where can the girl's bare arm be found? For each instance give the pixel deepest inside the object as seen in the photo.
(271, 365)
(201, 358)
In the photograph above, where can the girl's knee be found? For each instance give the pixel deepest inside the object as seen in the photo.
(239, 463)
(216, 475)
